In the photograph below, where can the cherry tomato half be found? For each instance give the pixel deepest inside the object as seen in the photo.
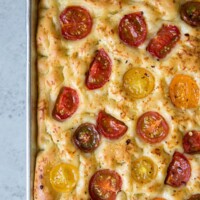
(195, 197)
(144, 170)
(86, 137)
(133, 29)
(109, 126)
(165, 40)
(179, 170)
(100, 70)
(63, 177)
(152, 127)
(76, 23)
(138, 82)
(104, 185)
(190, 13)
(191, 142)
(66, 104)
(184, 91)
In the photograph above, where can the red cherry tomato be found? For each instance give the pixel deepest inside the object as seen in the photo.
(165, 40)
(152, 127)
(195, 197)
(191, 142)
(109, 126)
(104, 185)
(76, 23)
(179, 170)
(190, 13)
(100, 70)
(66, 104)
(86, 137)
(133, 29)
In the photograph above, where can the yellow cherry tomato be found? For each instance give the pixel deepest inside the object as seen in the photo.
(144, 170)
(63, 177)
(138, 82)
(184, 91)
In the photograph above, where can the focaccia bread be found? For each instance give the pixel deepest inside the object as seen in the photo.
(118, 104)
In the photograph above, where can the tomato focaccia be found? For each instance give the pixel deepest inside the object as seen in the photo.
(118, 103)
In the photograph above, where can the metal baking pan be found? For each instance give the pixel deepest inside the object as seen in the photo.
(31, 100)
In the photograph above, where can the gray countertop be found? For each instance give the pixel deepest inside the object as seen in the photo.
(12, 101)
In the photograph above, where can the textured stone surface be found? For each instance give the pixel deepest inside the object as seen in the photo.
(12, 100)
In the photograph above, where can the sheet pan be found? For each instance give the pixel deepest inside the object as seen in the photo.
(31, 100)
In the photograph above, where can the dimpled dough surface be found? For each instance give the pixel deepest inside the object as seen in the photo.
(64, 63)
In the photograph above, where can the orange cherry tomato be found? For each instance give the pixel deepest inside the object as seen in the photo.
(184, 91)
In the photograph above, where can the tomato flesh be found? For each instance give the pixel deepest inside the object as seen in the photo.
(144, 170)
(190, 13)
(63, 177)
(152, 127)
(109, 126)
(66, 104)
(76, 23)
(179, 171)
(165, 40)
(86, 137)
(100, 70)
(184, 92)
(104, 185)
(133, 29)
(138, 82)
(191, 142)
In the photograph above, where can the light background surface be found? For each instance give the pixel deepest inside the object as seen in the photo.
(12, 100)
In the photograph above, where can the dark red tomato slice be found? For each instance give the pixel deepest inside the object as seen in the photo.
(195, 197)
(165, 40)
(191, 142)
(109, 126)
(86, 137)
(76, 23)
(152, 127)
(104, 185)
(100, 70)
(179, 171)
(133, 29)
(190, 13)
(66, 104)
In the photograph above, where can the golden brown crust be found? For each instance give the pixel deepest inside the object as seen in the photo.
(64, 63)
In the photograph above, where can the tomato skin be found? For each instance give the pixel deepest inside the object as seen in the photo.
(158, 198)
(76, 23)
(164, 41)
(133, 29)
(101, 180)
(190, 13)
(146, 135)
(179, 171)
(109, 126)
(66, 104)
(88, 132)
(100, 70)
(191, 142)
(195, 197)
